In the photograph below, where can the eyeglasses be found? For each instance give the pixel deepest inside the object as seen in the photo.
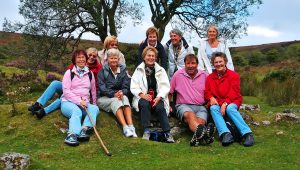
(91, 55)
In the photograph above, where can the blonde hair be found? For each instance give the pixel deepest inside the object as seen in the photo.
(149, 48)
(108, 40)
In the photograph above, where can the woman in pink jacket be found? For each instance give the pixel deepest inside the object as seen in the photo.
(79, 95)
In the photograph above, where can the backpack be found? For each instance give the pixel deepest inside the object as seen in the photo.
(90, 77)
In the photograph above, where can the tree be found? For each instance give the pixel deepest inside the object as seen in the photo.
(196, 15)
(52, 26)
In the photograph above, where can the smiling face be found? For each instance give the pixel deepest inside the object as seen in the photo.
(150, 57)
(113, 61)
(80, 60)
(219, 64)
(191, 66)
(113, 44)
(92, 57)
(175, 39)
(152, 39)
(212, 33)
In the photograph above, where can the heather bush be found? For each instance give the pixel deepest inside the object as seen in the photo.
(50, 77)
(19, 63)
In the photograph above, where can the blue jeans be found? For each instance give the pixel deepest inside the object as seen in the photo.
(233, 114)
(75, 115)
(54, 87)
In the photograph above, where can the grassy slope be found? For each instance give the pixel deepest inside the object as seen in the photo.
(44, 143)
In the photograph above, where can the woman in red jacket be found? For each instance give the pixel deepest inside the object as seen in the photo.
(222, 90)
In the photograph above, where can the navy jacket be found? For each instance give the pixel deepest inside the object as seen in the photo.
(161, 58)
(109, 85)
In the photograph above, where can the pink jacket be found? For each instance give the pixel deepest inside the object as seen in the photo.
(78, 88)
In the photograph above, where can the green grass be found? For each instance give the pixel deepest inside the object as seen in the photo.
(44, 143)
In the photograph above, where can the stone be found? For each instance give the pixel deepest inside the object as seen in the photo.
(249, 107)
(13, 160)
(266, 122)
(287, 116)
(62, 126)
(279, 133)
(255, 123)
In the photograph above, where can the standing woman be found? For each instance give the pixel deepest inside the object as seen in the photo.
(114, 87)
(222, 91)
(151, 77)
(79, 92)
(109, 43)
(210, 45)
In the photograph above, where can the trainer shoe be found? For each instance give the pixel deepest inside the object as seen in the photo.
(133, 131)
(227, 139)
(249, 139)
(169, 138)
(209, 135)
(146, 135)
(127, 132)
(198, 135)
(71, 140)
(83, 136)
(89, 130)
(35, 107)
(40, 114)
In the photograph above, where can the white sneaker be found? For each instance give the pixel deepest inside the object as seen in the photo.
(127, 132)
(146, 135)
(133, 132)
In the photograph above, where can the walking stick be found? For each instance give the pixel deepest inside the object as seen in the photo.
(98, 136)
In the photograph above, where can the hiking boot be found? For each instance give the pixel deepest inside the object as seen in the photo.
(127, 132)
(249, 139)
(146, 135)
(83, 136)
(89, 130)
(133, 131)
(169, 138)
(71, 140)
(40, 114)
(198, 135)
(209, 135)
(227, 139)
(234, 131)
(35, 107)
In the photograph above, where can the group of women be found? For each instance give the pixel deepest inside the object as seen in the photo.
(110, 86)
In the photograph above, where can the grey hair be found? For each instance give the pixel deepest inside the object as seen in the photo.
(113, 52)
(91, 49)
(176, 31)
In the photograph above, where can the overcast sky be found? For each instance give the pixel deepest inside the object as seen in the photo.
(273, 21)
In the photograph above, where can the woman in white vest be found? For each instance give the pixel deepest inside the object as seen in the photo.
(210, 45)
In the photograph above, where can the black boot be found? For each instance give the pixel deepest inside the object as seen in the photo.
(40, 114)
(35, 107)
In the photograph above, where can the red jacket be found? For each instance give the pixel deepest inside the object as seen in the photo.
(95, 68)
(224, 89)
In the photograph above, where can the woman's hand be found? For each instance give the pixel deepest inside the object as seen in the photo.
(213, 101)
(156, 100)
(119, 94)
(223, 108)
(146, 97)
(83, 103)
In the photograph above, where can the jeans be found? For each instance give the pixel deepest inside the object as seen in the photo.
(75, 115)
(233, 114)
(159, 110)
(54, 87)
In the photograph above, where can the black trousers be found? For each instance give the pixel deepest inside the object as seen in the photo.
(146, 110)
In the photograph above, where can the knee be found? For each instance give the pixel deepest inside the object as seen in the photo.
(214, 109)
(231, 108)
(56, 83)
(188, 116)
(144, 103)
(94, 110)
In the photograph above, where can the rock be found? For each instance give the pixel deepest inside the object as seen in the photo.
(62, 126)
(255, 123)
(249, 107)
(12, 160)
(266, 122)
(279, 133)
(287, 116)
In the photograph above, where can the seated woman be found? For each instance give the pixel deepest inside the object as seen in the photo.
(78, 95)
(150, 77)
(109, 43)
(222, 90)
(56, 87)
(114, 88)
